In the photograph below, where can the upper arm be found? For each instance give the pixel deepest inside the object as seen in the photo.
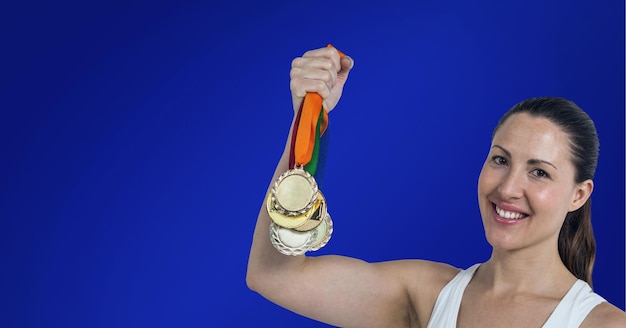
(348, 292)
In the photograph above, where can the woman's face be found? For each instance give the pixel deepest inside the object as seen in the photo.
(526, 186)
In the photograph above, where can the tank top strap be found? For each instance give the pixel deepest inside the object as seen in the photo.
(574, 307)
(448, 302)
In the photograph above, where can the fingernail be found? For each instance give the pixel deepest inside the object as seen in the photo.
(351, 61)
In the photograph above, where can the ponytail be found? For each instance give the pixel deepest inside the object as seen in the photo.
(577, 245)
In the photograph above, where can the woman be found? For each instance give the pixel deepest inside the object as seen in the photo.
(534, 198)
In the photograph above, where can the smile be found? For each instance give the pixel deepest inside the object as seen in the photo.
(510, 215)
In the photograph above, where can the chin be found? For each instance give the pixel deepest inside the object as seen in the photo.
(499, 239)
(502, 245)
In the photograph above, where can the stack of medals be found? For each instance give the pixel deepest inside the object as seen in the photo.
(300, 219)
(298, 209)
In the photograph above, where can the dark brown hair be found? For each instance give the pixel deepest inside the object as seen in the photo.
(577, 245)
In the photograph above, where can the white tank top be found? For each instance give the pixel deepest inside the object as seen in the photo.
(570, 312)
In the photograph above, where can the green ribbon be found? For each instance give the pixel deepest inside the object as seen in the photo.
(311, 167)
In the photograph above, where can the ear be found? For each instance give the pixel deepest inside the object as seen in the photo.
(581, 194)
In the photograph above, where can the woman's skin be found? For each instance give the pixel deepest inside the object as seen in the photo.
(525, 189)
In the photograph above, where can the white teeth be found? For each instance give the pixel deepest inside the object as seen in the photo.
(509, 215)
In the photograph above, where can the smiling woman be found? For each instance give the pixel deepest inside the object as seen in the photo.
(563, 145)
(534, 197)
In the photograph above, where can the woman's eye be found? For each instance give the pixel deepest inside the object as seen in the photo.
(540, 173)
(499, 160)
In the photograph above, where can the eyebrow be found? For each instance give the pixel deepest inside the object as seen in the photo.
(531, 161)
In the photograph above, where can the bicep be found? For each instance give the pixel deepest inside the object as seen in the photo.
(348, 292)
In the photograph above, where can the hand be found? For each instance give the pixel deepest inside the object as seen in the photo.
(322, 71)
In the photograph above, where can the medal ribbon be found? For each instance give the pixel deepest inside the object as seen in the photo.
(310, 124)
(311, 167)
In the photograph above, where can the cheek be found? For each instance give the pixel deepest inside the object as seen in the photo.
(551, 199)
(550, 204)
(487, 180)
(545, 196)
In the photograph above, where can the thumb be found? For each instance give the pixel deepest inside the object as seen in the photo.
(347, 63)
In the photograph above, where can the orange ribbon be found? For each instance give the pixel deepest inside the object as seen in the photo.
(306, 127)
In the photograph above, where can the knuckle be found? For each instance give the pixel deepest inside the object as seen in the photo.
(294, 72)
(322, 87)
(332, 78)
(294, 85)
(324, 93)
(328, 76)
(328, 65)
(296, 62)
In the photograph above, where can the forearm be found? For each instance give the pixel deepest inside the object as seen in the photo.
(294, 281)
(264, 260)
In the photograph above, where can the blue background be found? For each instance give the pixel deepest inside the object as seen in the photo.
(138, 139)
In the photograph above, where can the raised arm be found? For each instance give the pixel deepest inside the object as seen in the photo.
(339, 290)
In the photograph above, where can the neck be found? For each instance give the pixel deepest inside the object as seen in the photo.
(524, 270)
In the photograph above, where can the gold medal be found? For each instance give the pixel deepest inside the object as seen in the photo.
(286, 221)
(318, 213)
(291, 242)
(324, 232)
(294, 192)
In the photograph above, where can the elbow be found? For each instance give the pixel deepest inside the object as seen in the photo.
(260, 280)
(264, 276)
(259, 283)
(254, 278)
(251, 280)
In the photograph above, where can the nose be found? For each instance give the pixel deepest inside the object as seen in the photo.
(512, 185)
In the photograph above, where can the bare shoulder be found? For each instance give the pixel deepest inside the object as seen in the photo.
(605, 315)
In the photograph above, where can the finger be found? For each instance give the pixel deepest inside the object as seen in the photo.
(329, 77)
(328, 53)
(315, 62)
(300, 87)
(317, 67)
